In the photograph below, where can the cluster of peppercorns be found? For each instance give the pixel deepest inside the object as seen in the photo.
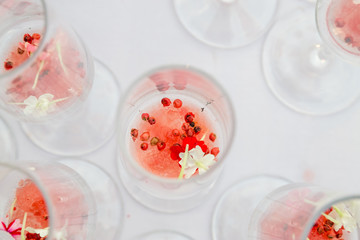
(324, 229)
(145, 137)
(28, 39)
(34, 236)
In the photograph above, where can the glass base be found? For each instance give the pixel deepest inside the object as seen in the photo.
(233, 212)
(302, 73)
(162, 235)
(109, 205)
(226, 23)
(87, 130)
(7, 143)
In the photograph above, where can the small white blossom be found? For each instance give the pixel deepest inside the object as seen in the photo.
(197, 159)
(356, 1)
(42, 232)
(342, 217)
(41, 106)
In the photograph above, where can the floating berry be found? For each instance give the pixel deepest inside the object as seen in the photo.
(28, 38)
(134, 132)
(192, 124)
(215, 151)
(348, 39)
(8, 65)
(154, 141)
(144, 146)
(185, 126)
(190, 132)
(212, 137)
(151, 120)
(189, 117)
(165, 102)
(339, 22)
(145, 116)
(145, 136)
(177, 103)
(36, 36)
(176, 149)
(197, 129)
(20, 51)
(161, 146)
(175, 132)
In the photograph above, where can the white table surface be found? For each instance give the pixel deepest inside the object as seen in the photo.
(133, 36)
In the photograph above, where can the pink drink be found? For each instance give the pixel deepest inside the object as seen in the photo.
(58, 70)
(157, 146)
(343, 19)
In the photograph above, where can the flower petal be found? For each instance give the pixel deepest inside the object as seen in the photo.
(32, 101)
(46, 96)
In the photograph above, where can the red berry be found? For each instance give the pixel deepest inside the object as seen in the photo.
(215, 151)
(175, 132)
(20, 51)
(212, 137)
(197, 130)
(177, 103)
(28, 38)
(36, 36)
(182, 136)
(190, 132)
(134, 132)
(189, 117)
(185, 126)
(145, 136)
(8, 65)
(161, 146)
(339, 22)
(144, 146)
(165, 102)
(151, 120)
(154, 141)
(145, 116)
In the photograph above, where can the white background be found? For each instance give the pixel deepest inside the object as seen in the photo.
(133, 36)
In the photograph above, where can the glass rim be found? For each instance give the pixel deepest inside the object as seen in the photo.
(137, 82)
(42, 190)
(15, 71)
(146, 234)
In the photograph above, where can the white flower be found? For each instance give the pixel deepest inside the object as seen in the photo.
(341, 217)
(197, 159)
(42, 232)
(356, 1)
(41, 106)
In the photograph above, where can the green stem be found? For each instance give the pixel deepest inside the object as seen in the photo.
(184, 161)
(38, 74)
(58, 48)
(59, 100)
(12, 209)
(341, 214)
(331, 218)
(23, 227)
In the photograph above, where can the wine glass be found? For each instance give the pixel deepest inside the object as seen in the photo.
(7, 143)
(268, 207)
(308, 74)
(162, 235)
(66, 199)
(226, 23)
(176, 125)
(47, 81)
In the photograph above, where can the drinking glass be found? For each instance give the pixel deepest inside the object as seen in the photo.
(226, 23)
(163, 235)
(309, 74)
(66, 199)
(154, 179)
(7, 143)
(47, 81)
(268, 207)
